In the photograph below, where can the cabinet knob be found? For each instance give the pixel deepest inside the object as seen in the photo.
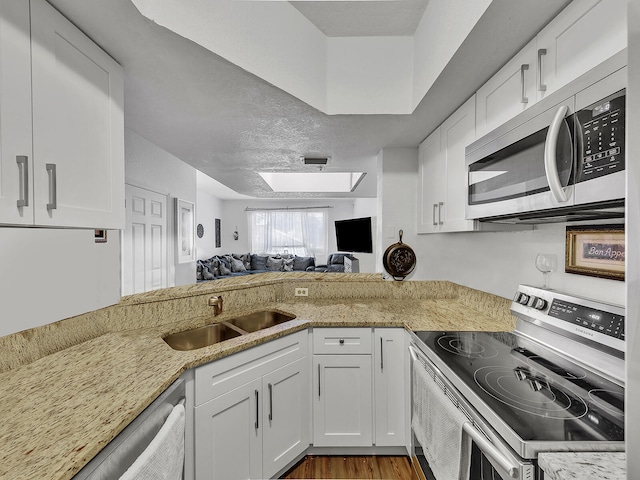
(341, 341)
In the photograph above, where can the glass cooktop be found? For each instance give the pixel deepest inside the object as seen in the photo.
(540, 395)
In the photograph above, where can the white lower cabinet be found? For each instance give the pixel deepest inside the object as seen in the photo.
(257, 420)
(342, 405)
(389, 387)
(285, 416)
(228, 435)
(359, 387)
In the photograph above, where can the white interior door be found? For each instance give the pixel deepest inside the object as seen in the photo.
(144, 247)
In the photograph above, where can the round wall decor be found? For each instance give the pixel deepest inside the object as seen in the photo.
(200, 230)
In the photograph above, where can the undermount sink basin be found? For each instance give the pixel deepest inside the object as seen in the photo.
(219, 332)
(253, 322)
(201, 337)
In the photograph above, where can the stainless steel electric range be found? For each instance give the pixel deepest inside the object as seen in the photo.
(554, 384)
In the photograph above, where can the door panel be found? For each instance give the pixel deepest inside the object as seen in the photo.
(145, 242)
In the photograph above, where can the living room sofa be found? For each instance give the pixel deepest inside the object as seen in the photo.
(222, 266)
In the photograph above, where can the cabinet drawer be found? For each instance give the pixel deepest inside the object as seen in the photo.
(222, 376)
(342, 341)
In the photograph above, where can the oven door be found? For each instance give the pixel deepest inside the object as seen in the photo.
(526, 169)
(491, 458)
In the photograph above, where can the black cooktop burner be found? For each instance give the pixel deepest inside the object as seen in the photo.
(467, 346)
(540, 395)
(530, 394)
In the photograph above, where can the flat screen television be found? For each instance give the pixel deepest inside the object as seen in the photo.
(354, 235)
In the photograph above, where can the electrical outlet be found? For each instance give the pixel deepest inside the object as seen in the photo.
(301, 292)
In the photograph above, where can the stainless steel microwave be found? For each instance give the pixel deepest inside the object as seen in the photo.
(557, 161)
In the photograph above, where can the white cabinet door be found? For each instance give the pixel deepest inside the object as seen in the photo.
(78, 126)
(286, 411)
(457, 132)
(583, 35)
(389, 386)
(508, 92)
(342, 405)
(228, 432)
(15, 114)
(430, 186)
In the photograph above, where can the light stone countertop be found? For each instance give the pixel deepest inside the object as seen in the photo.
(61, 409)
(583, 465)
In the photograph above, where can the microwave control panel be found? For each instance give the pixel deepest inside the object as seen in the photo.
(602, 128)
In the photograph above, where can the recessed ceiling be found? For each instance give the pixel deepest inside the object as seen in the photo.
(364, 19)
(230, 124)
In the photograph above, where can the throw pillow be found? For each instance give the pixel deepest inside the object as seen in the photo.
(274, 264)
(258, 262)
(302, 263)
(214, 266)
(224, 270)
(237, 265)
(226, 259)
(207, 272)
(245, 258)
(287, 264)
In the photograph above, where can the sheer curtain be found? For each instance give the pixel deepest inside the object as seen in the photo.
(298, 232)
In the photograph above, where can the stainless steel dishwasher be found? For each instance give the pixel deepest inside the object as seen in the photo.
(114, 460)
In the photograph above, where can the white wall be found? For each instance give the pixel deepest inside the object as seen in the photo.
(148, 166)
(444, 26)
(208, 208)
(50, 274)
(397, 174)
(495, 262)
(369, 75)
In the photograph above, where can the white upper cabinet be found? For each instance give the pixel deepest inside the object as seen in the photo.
(585, 34)
(62, 94)
(430, 191)
(78, 126)
(16, 161)
(457, 132)
(508, 92)
(442, 174)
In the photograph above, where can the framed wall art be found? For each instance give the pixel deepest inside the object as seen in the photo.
(597, 251)
(185, 226)
(218, 237)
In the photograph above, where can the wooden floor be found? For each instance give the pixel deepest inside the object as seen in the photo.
(353, 467)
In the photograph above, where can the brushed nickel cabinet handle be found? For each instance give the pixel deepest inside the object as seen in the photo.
(257, 408)
(53, 190)
(270, 402)
(523, 68)
(440, 221)
(435, 208)
(541, 52)
(318, 380)
(381, 355)
(23, 174)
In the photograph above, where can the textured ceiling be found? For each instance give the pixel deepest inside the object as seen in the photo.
(230, 124)
(357, 19)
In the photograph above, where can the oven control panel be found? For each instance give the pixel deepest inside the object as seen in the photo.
(580, 318)
(589, 318)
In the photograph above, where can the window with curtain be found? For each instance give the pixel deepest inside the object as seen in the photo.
(299, 232)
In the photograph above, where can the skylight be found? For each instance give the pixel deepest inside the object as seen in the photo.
(317, 182)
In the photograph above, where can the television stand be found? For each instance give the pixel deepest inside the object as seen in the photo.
(351, 264)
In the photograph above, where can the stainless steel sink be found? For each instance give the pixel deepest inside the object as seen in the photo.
(219, 332)
(253, 322)
(201, 337)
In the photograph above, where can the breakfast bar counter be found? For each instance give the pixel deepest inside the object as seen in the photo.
(69, 388)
